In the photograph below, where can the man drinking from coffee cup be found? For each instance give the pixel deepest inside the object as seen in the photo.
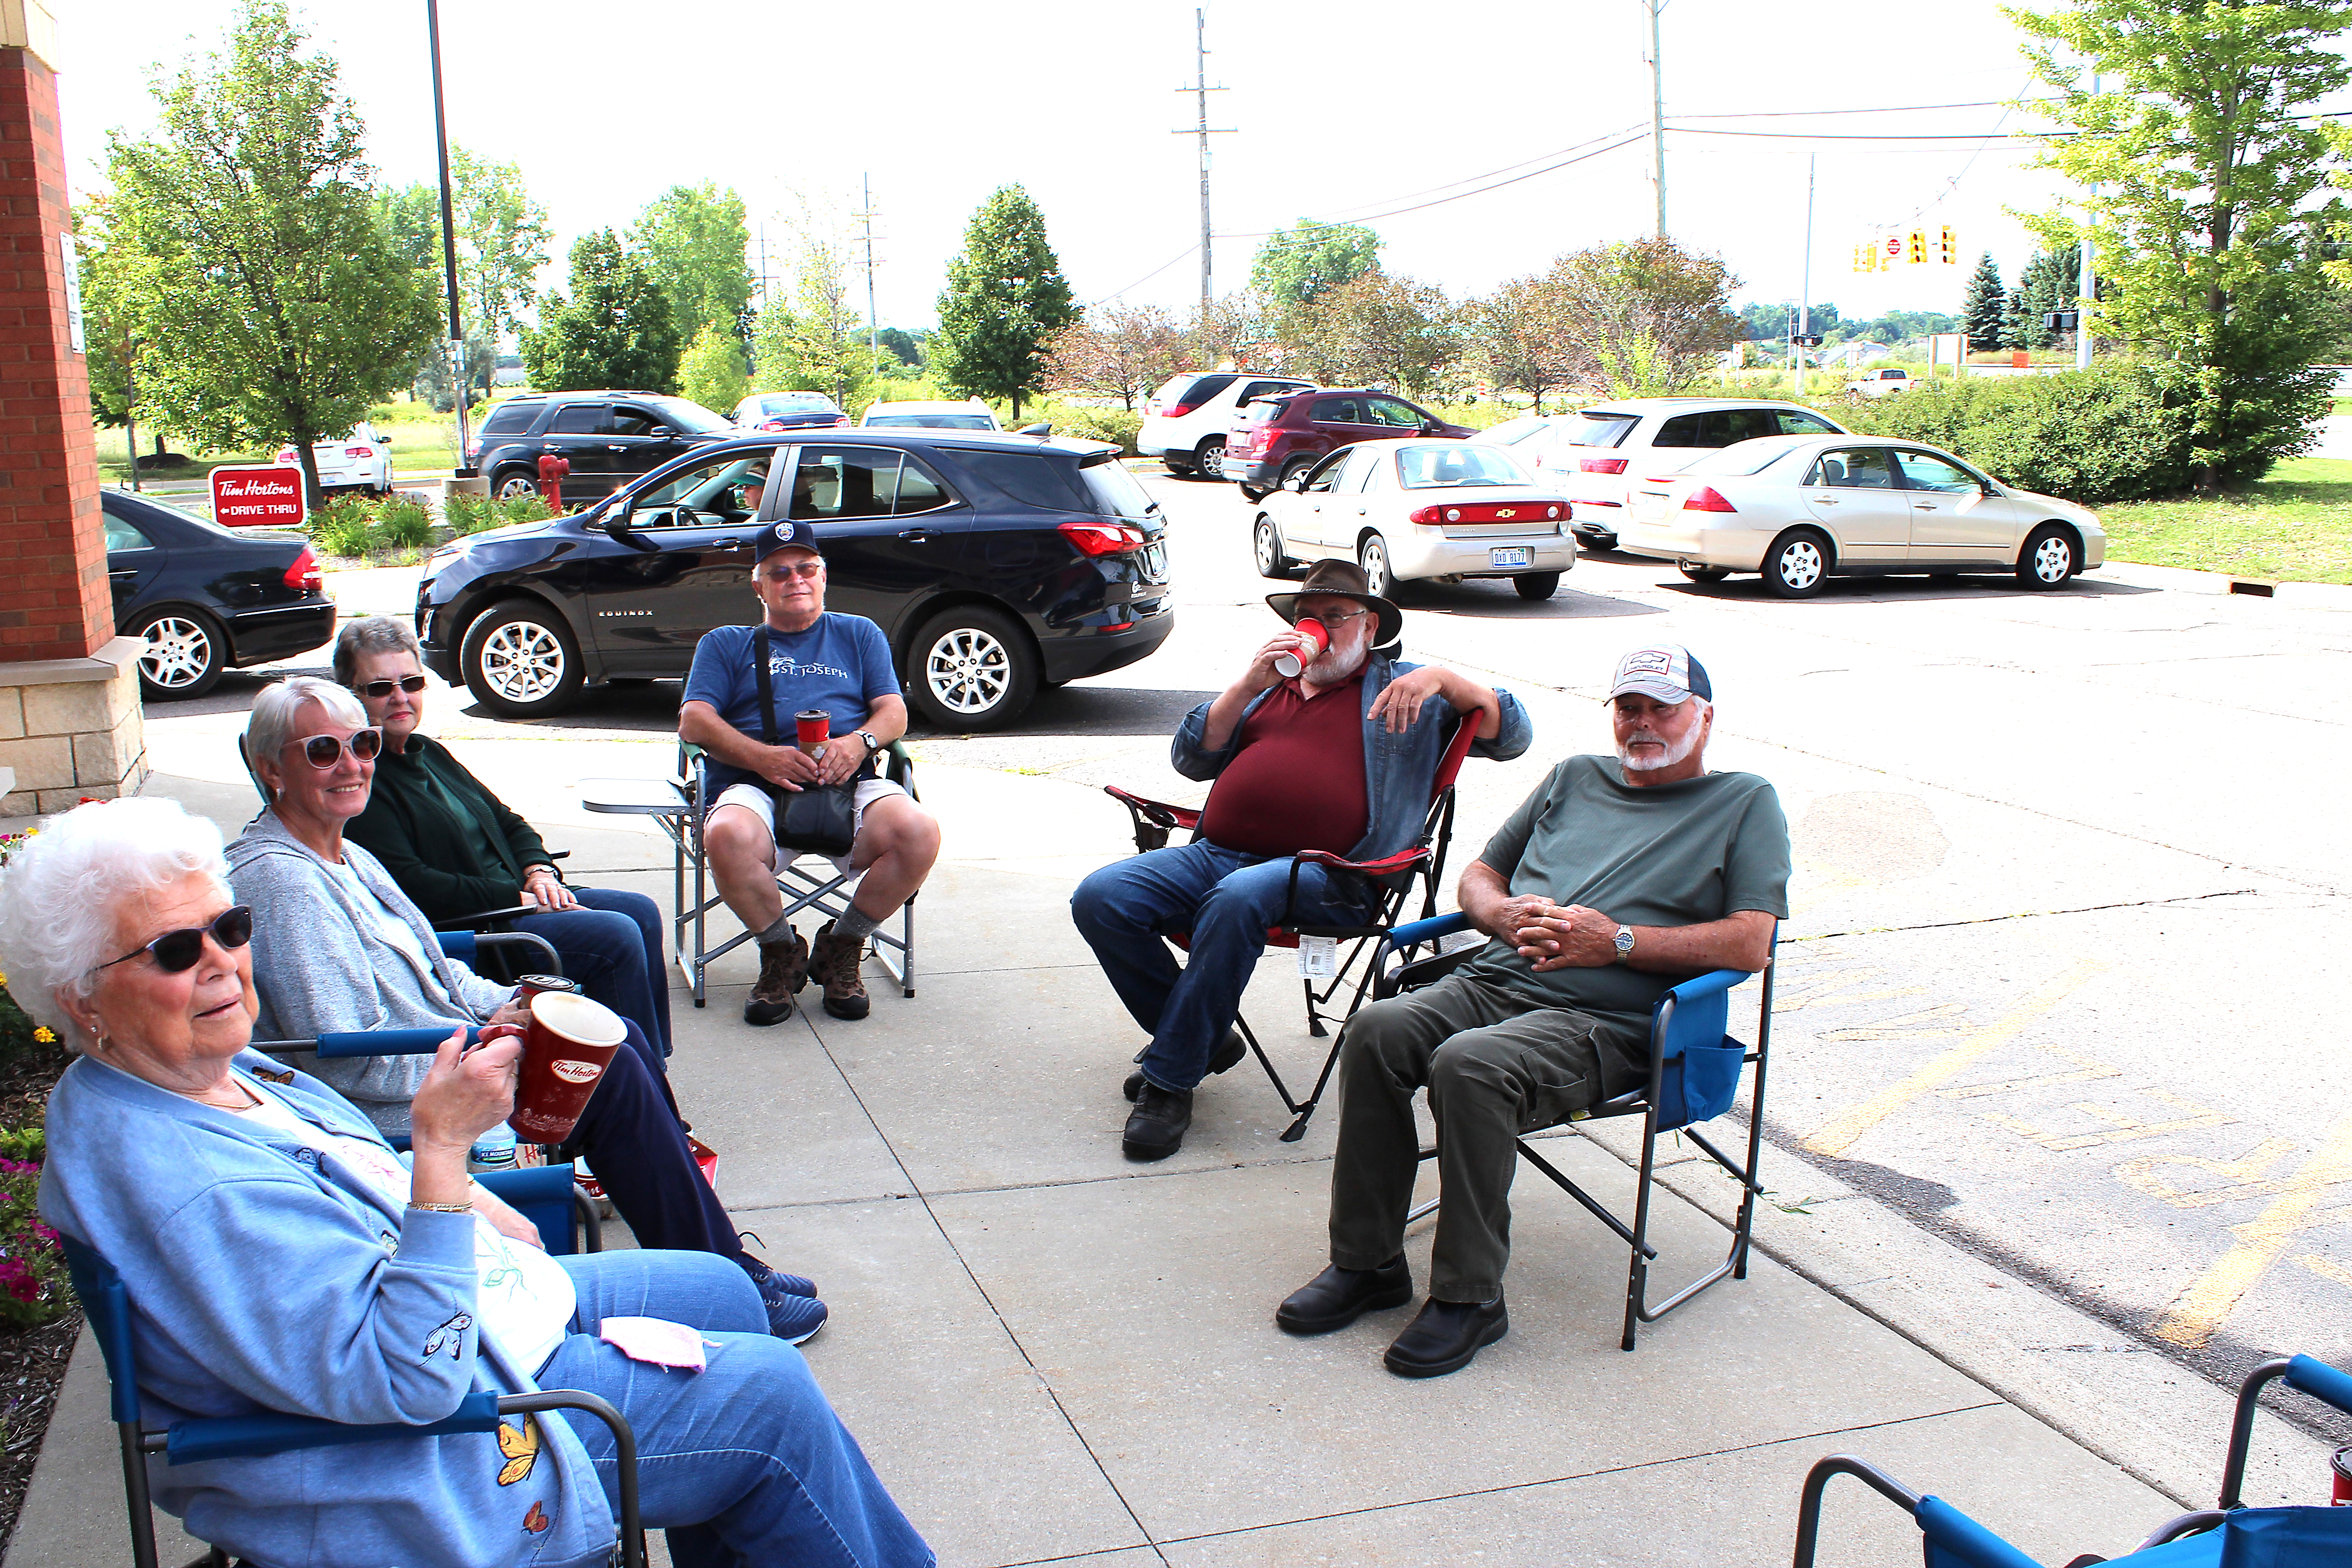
(1339, 756)
(820, 665)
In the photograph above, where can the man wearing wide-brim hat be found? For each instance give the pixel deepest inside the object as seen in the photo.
(1338, 757)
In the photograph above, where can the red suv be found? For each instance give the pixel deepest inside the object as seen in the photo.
(1273, 439)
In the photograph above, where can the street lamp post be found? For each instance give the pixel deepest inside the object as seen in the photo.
(449, 232)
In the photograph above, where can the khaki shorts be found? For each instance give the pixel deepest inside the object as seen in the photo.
(757, 801)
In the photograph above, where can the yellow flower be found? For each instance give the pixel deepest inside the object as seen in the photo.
(43, 1035)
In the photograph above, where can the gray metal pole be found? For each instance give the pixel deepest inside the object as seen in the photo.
(2087, 288)
(448, 230)
(1805, 290)
(1200, 86)
(1658, 114)
(873, 329)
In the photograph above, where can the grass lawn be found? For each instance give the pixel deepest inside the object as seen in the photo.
(2295, 526)
(416, 444)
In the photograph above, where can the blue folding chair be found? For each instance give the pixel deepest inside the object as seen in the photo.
(2230, 1536)
(106, 1302)
(1694, 1072)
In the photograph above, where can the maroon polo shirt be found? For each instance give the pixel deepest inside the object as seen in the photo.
(1297, 780)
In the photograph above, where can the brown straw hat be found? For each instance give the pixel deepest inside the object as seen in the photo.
(1347, 580)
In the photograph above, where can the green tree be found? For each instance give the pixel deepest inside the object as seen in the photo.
(817, 341)
(1005, 300)
(2049, 282)
(907, 346)
(280, 307)
(1379, 331)
(1121, 351)
(693, 239)
(112, 285)
(2207, 160)
(711, 373)
(502, 238)
(1300, 264)
(1645, 315)
(1520, 331)
(1983, 307)
(614, 331)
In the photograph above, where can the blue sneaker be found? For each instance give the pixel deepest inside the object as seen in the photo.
(798, 1284)
(792, 1318)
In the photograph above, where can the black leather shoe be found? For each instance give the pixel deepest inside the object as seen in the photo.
(1219, 1060)
(1337, 1297)
(1446, 1336)
(1155, 1128)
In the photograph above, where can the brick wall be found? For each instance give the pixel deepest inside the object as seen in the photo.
(54, 598)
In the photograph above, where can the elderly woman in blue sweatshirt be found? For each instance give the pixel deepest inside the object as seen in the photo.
(280, 1257)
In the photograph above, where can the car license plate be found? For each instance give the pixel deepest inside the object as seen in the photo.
(1155, 561)
(1517, 555)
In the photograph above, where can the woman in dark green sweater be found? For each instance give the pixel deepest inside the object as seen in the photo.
(456, 850)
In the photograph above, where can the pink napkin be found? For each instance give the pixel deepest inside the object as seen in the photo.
(654, 1341)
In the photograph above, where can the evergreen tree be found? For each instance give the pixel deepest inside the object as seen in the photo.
(1005, 300)
(615, 331)
(2016, 325)
(2049, 284)
(1983, 307)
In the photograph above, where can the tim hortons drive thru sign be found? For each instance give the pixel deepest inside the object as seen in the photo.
(259, 496)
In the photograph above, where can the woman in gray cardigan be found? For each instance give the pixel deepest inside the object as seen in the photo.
(338, 946)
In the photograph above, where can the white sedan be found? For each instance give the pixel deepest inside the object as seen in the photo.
(1406, 509)
(1802, 508)
(361, 460)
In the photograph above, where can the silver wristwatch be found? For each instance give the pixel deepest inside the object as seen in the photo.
(872, 745)
(1624, 943)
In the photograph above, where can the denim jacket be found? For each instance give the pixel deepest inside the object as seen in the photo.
(265, 1276)
(1398, 768)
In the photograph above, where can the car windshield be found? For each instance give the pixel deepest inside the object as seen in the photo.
(1742, 458)
(1596, 428)
(691, 417)
(1436, 467)
(930, 422)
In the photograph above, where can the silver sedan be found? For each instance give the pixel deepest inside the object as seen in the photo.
(1802, 508)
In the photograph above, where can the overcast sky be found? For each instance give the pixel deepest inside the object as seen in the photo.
(1341, 112)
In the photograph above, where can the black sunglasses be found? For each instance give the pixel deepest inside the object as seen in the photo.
(177, 950)
(412, 684)
(325, 750)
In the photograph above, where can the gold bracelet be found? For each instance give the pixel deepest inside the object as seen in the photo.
(442, 1208)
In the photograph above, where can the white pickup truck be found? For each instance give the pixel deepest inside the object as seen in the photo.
(1884, 382)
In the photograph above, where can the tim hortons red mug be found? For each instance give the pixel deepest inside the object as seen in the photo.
(565, 1048)
(811, 730)
(1311, 632)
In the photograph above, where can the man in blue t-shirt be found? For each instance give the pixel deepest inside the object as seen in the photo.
(816, 661)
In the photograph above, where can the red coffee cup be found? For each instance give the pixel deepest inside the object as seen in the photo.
(814, 729)
(2339, 1466)
(565, 1048)
(530, 986)
(1310, 632)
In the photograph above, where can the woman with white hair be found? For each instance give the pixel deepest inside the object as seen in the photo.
(279, 1257)
(342, 948)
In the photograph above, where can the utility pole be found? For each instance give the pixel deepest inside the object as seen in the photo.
(1657, 114)
(1805, 286)
(2086, 287)
(449, 235)
(866, 212)
(1201, 89)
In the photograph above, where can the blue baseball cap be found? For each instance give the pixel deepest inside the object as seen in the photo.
(791, 534)
(1663, 671)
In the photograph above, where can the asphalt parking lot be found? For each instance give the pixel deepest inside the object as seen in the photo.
(2073, 878)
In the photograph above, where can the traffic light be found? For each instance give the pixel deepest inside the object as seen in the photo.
(2061, 320)
(1948, 245)
(1917, 253)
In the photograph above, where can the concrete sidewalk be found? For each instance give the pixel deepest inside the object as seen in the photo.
(1051, 1355)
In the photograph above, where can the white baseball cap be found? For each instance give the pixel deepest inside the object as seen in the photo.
(1664, 671)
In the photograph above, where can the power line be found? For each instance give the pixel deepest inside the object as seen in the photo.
(1881, 109)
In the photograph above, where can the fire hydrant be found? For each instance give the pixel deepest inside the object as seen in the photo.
(552, 472)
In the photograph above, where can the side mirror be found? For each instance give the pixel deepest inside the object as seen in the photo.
(615, 523)
(1298, 483)
(1432, 427)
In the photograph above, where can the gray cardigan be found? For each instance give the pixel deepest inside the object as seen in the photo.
(319, 965)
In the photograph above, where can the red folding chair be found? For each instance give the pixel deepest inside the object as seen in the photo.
(1422, 862)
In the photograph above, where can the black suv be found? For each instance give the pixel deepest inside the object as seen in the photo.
(995, 563)
(608, 438)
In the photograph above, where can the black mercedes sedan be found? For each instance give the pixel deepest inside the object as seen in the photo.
(996, 565)
(205, 598)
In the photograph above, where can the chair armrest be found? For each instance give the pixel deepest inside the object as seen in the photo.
(1708, 985)
(1414, 932)
(1159, 813)
(1386, 866)
(491, 917)
(2308, 1375)
(375, 1042)
(898, 767)
(252, 1436)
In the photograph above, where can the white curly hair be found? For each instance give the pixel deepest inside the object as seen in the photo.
(60, 890)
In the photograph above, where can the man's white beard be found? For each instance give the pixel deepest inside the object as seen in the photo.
(1331, 666)
(1672, 755)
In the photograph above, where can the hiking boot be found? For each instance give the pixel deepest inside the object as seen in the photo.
(784, 970)
(1219, 1060)
(835, 963)
(1155, 1128)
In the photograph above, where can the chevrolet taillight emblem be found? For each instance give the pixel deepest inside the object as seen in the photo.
(1504, 511)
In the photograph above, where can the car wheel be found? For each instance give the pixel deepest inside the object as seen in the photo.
(1537, 585)
(1254, 495)
(1267, 539)
(972, 669)
(1798, 564)
(1598, 540)
(1175, 465)
(516, 482)
(1211, 456)
(185, 654)
(520, 661)
(1372, 555)
(1293, 469)
(2048, 559)
(1697, 574)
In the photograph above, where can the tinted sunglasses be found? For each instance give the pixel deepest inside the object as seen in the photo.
(175, 951)
(325, 750)
(380, 690)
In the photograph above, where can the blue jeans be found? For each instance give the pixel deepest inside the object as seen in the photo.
(612, 944)
(743, 1463)
(1226, 899)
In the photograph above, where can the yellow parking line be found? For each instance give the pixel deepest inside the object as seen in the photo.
(1838, 1134)
(2197, 1312)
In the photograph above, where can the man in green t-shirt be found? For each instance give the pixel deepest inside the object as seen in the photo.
(1616, 878)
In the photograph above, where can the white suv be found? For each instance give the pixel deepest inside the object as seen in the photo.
(1595, 455)
(1184, 422)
